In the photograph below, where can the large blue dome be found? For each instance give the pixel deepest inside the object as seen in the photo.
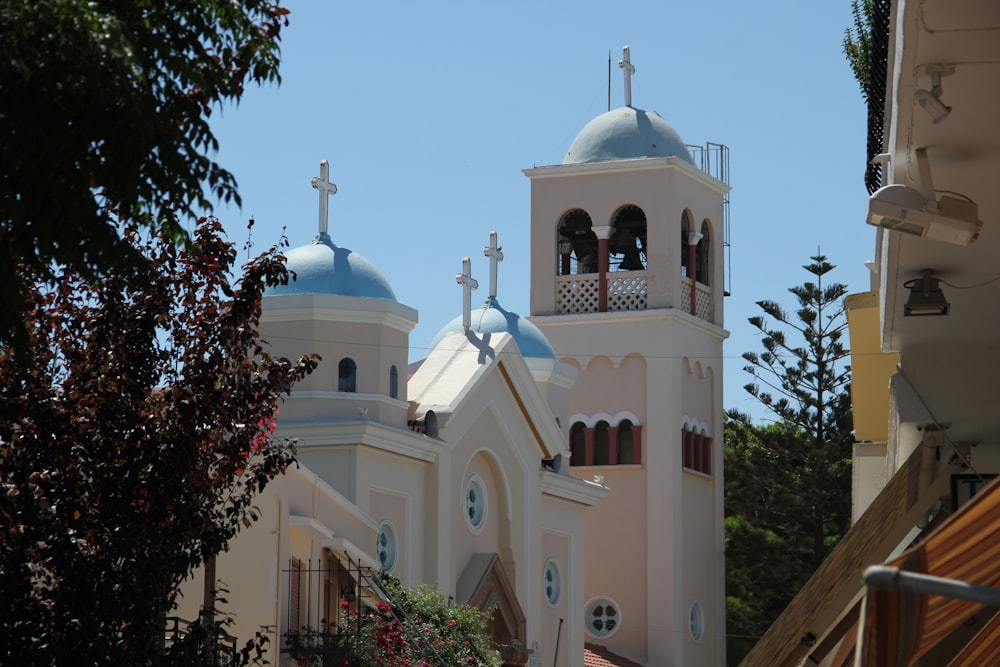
(626, 133)
(322, 267)
(493, 318)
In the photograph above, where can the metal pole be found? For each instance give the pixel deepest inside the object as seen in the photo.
(555, 658)
(884, 578)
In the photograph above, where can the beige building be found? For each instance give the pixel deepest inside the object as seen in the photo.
(566, 468)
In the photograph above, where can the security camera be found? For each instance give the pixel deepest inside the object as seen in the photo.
(904, 209)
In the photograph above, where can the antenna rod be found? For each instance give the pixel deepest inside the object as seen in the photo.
(609, 80)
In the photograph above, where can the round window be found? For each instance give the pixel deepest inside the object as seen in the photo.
(475, 503)
(551, 582)
(603, 617)
(385, 546)
(696, 620)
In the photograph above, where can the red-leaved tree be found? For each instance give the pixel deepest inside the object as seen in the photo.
(134, 434)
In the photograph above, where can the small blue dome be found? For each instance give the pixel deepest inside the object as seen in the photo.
(492, 318)
(626, 133)
(322, 267)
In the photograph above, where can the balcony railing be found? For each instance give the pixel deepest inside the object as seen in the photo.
(703, 299)
(577, 293)
(627, 290)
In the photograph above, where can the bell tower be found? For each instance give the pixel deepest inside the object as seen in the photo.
(627, 283)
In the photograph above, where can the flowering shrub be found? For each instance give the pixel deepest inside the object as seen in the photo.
(423, 631)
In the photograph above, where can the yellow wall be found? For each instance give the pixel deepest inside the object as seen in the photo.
(870, 368)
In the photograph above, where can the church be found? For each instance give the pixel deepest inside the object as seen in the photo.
(564, 468)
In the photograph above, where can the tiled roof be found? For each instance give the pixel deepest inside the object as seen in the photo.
(598, 656)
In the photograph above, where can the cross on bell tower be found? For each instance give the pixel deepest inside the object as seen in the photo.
(629, 70)
(495, 253)
(326, 188)
(468, 284)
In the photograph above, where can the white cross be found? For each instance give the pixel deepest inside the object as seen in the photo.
(326, 188)
(468, 284)
(626, 65)
(495, 253)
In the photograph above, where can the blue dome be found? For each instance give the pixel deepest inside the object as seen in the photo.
(493, 318)
(322, 267)
(626, 133)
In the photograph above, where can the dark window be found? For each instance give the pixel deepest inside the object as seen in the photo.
(393, 382)
(577, 444)
(626, 442)
(602, 444)
(348, 375)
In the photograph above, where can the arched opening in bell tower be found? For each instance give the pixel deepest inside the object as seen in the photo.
(703, 255)
(576, 244)
(627, 249)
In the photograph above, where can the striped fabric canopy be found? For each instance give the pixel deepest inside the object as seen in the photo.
(899, 627)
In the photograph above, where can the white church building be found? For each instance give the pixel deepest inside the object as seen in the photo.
(564, 468)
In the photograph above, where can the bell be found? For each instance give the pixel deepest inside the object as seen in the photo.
(632, 261)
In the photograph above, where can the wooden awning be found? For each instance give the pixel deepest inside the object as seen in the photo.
(898, 627)
(817, 618)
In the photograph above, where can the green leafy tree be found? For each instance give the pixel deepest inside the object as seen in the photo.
(788, 483)
(104, 106)
(866, 45)
(132, 444)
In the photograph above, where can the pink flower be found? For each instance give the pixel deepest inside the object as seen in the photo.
(452, 623)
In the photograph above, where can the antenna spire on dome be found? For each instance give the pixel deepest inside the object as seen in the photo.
(468, 284)
(326, 188)
(629, 68)
(495, 253)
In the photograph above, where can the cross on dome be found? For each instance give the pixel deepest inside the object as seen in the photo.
(495, 253)
(629, 69)
(326, 188)
(468, 284)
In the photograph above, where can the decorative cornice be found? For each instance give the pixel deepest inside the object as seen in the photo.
(338, 432)
(338, 308)
(625, 166)
(571, 489)
(634, 315)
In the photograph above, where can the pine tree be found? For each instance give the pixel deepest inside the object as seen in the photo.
(788, 483)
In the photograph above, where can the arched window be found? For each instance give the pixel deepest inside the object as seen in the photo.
(627, 249)
(696, 450)
(348, 375)
(577, 244)
(626, 442)
(702, 271)
(393, 383)
(577, 444)
(686, 227)
(602, 444)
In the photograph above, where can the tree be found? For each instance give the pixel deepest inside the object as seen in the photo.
(788, 483)
(866, 45)
(104, 106)
(132, 444)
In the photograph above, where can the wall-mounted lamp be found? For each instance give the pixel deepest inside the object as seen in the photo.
(347, 593)
(926, 297)
(930, 100)
(920, 213)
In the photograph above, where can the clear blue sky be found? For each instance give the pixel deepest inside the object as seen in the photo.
(428, 112)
